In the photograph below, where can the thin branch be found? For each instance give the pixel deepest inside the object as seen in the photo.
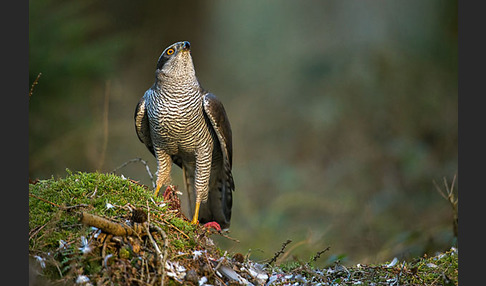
(164, 254)
(318, 254)
(439, 190)
(135, 161)
(36, 230)
(221, 261)
(450, 196)
(36, 81)
(278, 253)
(75, 206)
(213, 271)
(46, 201)
(228, 237)
(58, 206)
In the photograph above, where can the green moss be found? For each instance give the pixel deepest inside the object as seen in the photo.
(54, 207)
(289, 266)
(183, 225)
(91, 192)
(124, 253)
(439, 269)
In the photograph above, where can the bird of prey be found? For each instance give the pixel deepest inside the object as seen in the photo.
(182, 123)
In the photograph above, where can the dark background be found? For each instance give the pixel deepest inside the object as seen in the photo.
(343, 112)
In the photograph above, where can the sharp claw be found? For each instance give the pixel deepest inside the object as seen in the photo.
(213, 224)
(168, 192)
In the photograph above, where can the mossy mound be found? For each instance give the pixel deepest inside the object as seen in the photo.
(68, 251)
(163, 245)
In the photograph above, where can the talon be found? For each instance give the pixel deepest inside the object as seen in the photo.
(168, 192)
(213, 224)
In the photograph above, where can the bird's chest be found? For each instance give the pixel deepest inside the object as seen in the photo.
(179, 127)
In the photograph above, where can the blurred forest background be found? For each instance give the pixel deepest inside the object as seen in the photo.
(343, 112)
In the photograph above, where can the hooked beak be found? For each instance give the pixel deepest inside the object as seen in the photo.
(186, 46)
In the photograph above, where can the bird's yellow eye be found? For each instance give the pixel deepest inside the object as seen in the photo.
(170, 52)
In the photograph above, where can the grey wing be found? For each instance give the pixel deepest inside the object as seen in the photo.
(142, 125)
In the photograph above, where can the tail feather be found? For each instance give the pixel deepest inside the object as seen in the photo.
(220, 197)
(188, 178)
(220, 202)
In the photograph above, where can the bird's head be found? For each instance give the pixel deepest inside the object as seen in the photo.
(176, 61)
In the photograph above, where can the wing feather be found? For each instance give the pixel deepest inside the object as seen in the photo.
(216, 113)
(221, 199)
(142, 125)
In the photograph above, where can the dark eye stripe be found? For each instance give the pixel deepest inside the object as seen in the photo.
(165, 57)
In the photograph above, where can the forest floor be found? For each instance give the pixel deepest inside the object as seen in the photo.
(104, 229)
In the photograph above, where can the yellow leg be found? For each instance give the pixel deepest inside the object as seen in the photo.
(196, 214)
(164, 164)
(157, 189)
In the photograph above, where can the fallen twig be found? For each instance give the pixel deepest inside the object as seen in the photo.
(36, 230)
(107, 226)
(228, 237)
(164, 254)
(68, 208)
(221, 261)
(213, 271)
(159, 253)
(59, 206)
(46, 201)
(174, 227)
